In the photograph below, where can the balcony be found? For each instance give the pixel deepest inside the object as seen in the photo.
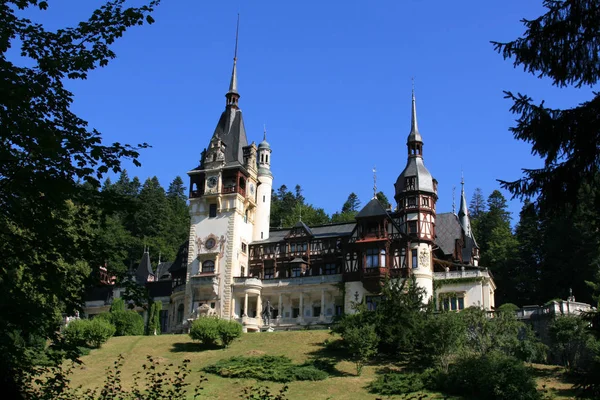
(461, 274)
(233, 189)
(302, 280)
(248, 283)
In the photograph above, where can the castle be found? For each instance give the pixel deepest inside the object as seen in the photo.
(235, 265)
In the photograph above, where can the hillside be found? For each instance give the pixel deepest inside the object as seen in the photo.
(299, 346)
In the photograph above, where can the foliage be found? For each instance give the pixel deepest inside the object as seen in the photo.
(263, 393)
(52, 164)
(88, 332)
(127, 323)
(266, 368)
(229, 331)
(288, 208)
(157, 382)
(205, 330)
(383, 200)
(493, 376)
(361, 343)
(562, 44)
(153, 324)
(349, 210)
(395, 383)
(569, 339)
(443, 339)
(117, 305)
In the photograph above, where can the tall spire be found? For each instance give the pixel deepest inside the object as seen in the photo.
(414, 128)
(463, 213)
(374, 182)
(233, 95)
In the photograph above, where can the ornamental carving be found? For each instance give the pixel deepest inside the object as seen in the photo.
(424, 259)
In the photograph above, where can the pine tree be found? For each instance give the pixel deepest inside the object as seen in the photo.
(563, 44)
(349, 210)
(383, 200)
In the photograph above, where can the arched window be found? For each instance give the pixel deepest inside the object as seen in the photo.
(208, 266)
(382, 258)
(267, 158)
(180, 314)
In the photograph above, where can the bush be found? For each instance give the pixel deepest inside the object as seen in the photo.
(88, 332)
(229, 331)
(127, 323)
(494, 376)
(361, 343)
(266, 368)
(74, 332)
(396, 383)
(98, 331)
(205, 330)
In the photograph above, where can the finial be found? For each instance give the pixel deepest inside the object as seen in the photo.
(264, 132)
(414, 129)
(300, 212)
(237, 31)
(453, 199)
(374, 182)
(462, 178)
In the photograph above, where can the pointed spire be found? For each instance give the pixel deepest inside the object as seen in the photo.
(463, 212)
(374, 182)
(414, 128)
(265, 132)
(232, 95)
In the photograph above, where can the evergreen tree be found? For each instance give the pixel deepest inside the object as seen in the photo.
(562, 44)
(288, 208)
(477, 209)
(47, 151)
(383, 200)
(349, 210)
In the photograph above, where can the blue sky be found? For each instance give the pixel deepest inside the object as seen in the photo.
(332, 82)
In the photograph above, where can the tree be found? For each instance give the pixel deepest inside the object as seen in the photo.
(477, 207)
(47, 152)
(383, 200)
(153, 323)
(361, 343)
(562, 44)
(349, 210)
(288, 208)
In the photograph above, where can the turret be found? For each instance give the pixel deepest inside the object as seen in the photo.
(263, 192)
(416, 196)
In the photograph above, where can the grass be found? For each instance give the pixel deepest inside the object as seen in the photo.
(299, 346)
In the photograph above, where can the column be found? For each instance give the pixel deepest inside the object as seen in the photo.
(322, 316)
(246, 305)
(259, 309)
(280, 308)
(232, 307)
(301, 306)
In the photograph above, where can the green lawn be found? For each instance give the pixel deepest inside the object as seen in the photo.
(298, 346)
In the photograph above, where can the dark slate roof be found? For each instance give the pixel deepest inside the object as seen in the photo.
(230, 129)
(160, 288)
(372, 209)
(181, 258)
(467, 251)
(144, 269)
(448, 229)
(321, 231)
(415, 167)
(302, 225)
(103, 293)
(163, 270)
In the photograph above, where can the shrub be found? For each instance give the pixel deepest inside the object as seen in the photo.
(396, 383)
(493, 376)
(266, 368)
(117, 305)
(74, 332)
(153, 325)
(205, 330)
(361, 343)
(88, 332)
(127, 323)
(229, 331)
(98, 331)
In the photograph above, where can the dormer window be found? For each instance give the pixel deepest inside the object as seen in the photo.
(410, 183)
(425, 201)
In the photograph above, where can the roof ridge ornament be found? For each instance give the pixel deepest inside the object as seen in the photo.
(374, 182)
(233, 81)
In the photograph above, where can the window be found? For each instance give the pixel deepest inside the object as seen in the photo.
(382, 258)
(330, 269)
(242, 271)
(296, 272)
(339, 310)
(412, 201)
(269, 270)
(412, 227)
(212, 211)
(454, 303)
(414, 253)
(208, 266)
(180, 314)
(372, 302)
(244, 247)
(263, 198)
(372, 258)
(409, 183)
(295, 312)
(425, 201)
(246, 217)
(316, 311)
(267, 158)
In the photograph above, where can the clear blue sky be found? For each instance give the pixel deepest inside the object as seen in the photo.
(332, 82)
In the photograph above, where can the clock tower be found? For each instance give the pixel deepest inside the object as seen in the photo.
(223, 208)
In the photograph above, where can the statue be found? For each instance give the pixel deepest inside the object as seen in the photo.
(266, 314)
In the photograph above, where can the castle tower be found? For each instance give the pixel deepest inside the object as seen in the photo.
(222, 209)
(465, 222)
(416, 196)
(263, 192)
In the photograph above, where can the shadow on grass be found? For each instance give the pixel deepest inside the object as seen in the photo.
(326, 358)
(192, 347)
